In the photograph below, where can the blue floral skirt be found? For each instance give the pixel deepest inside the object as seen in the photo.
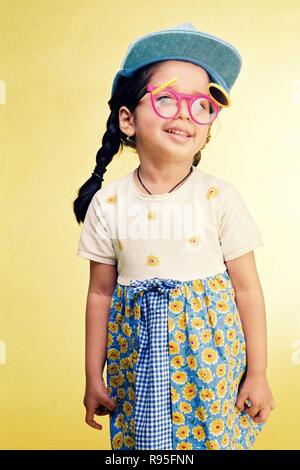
(176, 358)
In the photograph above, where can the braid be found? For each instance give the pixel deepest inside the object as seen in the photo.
(125, 94)
(110, 146)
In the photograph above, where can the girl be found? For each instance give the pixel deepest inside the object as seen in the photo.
(174, 306)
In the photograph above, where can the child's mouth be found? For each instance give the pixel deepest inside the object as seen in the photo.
(179, 137)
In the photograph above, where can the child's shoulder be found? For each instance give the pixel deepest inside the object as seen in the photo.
(110, 191)
(217, 185)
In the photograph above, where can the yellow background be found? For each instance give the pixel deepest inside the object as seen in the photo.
(58, 60)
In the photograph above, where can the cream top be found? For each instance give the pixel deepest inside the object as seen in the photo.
(186, 234)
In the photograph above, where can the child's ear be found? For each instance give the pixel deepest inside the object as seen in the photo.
(126, 121)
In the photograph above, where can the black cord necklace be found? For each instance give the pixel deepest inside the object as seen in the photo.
(138, 173)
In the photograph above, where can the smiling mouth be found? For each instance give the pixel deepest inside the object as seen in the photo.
(179, 136)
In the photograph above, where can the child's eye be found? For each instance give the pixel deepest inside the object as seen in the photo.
(164, 97)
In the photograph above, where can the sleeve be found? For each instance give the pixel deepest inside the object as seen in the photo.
(238, 233)
(95, 240)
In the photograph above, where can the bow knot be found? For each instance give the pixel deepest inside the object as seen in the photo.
(162, 285)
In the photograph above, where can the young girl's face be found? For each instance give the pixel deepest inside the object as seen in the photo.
(152, 140)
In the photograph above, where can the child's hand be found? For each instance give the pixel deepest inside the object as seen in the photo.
(256, 389)
(97, 401)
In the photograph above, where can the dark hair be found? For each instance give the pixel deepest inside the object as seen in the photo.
(113, 138)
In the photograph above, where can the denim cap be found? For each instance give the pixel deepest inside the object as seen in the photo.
(221, 60)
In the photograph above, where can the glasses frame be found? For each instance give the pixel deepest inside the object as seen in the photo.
(179, 96)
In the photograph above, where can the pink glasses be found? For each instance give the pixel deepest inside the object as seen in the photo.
(167, 104)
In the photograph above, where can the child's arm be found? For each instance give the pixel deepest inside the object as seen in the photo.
(250, 303)
(101, 288)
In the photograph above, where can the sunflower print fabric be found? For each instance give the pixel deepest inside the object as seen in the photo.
(176, 358)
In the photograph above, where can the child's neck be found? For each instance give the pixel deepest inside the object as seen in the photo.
(159, 188)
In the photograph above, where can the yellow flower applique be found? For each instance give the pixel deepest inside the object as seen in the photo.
(117, 441)
(178, 418)
(198, 286)
(179, 377)
(152, 215)
(152, 260)
(196, 304)
(112, 199)
(184, 446)
(222, 306)
(214, 285)
(176, 306)
(177, 361)
(189, 391)
(185, 407)
(217, 427)
(174, 395)
(182, 432)
(194, 241)
(199, 433)
(212, 192)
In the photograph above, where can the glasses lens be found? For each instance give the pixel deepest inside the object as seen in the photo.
(165, 103)
(203, 110)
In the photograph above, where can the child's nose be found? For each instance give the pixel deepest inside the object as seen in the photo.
(184, 109)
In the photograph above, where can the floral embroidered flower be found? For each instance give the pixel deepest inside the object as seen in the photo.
(127, 408)
(207, 394)
(152, 215)
(177, 361)
(217, 427)
(185, 407)
(222, 386)
(206, 336)
(201, 413)
(196, 304)
(120, 420)
(191, 361)
(112, 199)
(219, 338)
(152, 260)
(178, 418)
(176, 306)
(184, 446)
(189, 391)
(194, 342)
(194, 241)
(212, 445)
(173, 347)
(205, 375)
(182, 321)
(197, 323)
(117, 441)
(209, 356)
(182, 432)
(222, 306)
(212, 192)
(199, 433)
(214, 284)
(215, 407)
(179, 377)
